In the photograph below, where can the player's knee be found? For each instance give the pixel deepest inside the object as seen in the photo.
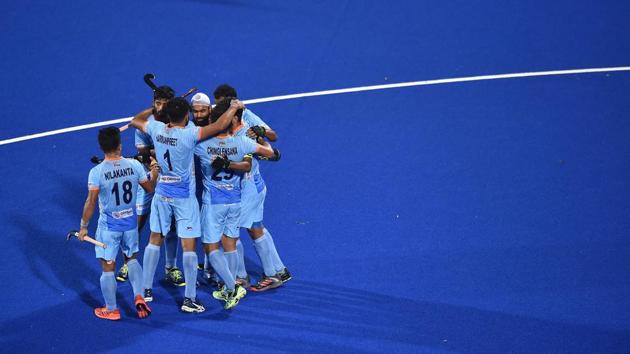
(133, 256)
(156, 239)
(108, 266)
(255, 233)
(209, 247)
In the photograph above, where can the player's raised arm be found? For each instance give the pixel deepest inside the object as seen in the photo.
(140, 119)
(222, 123)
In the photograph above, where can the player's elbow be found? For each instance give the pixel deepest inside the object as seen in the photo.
(271, 135)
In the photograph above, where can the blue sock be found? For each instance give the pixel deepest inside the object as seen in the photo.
(277, 263)
(150, 261)
(262, 248)
(240, 271)
(135, 276)
(171, 244)
(232, 261)
(221, 267)
(108, 288)
(190, 274)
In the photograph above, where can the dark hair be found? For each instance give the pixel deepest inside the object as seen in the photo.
(177, 109)
(109, 139)
(221, 108)
(163, 93)
(224, 91)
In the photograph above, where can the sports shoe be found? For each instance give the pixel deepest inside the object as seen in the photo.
(284, 275)
(175, 276)
(267, 283)
(141, 307)
(234, 297)
(191, 306)
(148, 295)
(104, 313)
(244, 282)
(221, 294)
(123, 273)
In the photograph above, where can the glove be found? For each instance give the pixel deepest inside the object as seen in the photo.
(143, 158)
(276, 156)
(259, 131)
(220, 162)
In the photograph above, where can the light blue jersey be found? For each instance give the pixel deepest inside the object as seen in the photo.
(249, 120)
(174, 148)
(117, 182)
(142, 139)
(222, 187)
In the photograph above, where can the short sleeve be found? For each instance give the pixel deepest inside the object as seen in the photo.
(151, 126)
(93, 180)
(139, 170)
(252, 119)
(248, 146)
(142, 139)
(196, 134)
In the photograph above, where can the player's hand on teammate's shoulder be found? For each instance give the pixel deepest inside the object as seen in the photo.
(238, 104)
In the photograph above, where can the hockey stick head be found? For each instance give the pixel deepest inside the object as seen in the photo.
(95, 160)
(148, 79)
(71, 234)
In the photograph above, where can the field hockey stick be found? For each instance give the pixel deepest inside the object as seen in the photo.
(148, 79)
(75, 233)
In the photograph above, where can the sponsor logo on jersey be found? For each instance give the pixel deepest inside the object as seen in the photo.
(170, 179)
(121, 214)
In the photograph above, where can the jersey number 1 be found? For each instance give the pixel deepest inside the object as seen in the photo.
(167, 157)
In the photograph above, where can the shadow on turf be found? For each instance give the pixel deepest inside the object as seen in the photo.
(300, 312)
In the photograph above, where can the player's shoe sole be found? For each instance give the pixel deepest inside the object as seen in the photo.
(141, 307)
(104, 313)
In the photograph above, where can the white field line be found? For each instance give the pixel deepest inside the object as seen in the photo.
(345, 90)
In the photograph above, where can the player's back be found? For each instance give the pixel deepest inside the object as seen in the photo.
(221, 186)
(174, 149)
(117, 181)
